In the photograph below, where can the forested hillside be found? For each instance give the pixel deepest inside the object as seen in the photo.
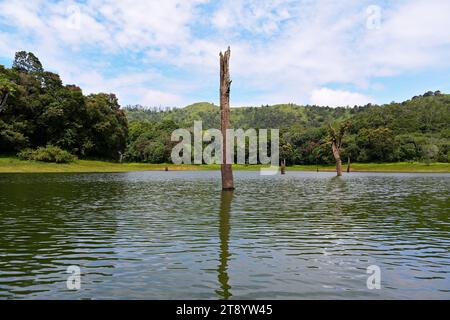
(278, 116)
(415, 130)
(37, 110)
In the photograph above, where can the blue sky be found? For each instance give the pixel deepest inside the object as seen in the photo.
(165, 53)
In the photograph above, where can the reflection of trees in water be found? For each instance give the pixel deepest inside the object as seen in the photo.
(337, 185)
(224, 235)
(337, 190)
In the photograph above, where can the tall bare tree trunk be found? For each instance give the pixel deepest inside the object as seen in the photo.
(225, 85)
(337, 157)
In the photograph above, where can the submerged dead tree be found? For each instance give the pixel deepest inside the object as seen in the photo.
(335, 138)
(225, 86)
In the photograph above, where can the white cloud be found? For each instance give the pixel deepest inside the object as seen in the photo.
(159, 98)
(413, 35)
(338, 98)
(282, 50)
(129, 87)
(255, 16)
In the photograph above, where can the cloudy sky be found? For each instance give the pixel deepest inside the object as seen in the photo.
(165, 53)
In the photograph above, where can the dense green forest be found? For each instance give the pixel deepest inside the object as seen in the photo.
(37, 110)
(415, 130)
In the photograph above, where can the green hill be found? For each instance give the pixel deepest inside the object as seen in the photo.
(414, 130)
(277, 116)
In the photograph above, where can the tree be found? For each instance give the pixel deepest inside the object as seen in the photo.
(6, 88)
(287, 153)
(336, 139)
(154, 152)
(11, 138)
(107, 124)
(430, 152)
(27, 63)
(378, 144)
(225, 86)
(42, 111)
(51, 81)
(63, 121)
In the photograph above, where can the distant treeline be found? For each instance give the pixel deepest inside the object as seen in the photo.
(37, 110)
(415, 130)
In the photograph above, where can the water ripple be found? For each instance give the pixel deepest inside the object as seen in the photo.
(174, 235)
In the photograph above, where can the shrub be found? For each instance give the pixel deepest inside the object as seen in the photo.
(25, 154)
(47, 154)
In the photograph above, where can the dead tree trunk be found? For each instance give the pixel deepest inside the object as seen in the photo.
(337, 157)
(336, 137)
(225, 85)
(349, 163)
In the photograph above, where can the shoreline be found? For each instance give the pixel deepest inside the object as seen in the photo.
(14, 165)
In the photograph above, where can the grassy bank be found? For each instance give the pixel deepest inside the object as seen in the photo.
(14, 165)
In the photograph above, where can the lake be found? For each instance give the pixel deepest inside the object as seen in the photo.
(175, 235)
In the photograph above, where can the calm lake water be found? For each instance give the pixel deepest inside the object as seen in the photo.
(175, 235)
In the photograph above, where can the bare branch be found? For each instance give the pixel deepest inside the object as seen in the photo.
(3, 99)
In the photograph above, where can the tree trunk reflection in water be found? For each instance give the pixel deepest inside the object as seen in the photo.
(224, 235)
